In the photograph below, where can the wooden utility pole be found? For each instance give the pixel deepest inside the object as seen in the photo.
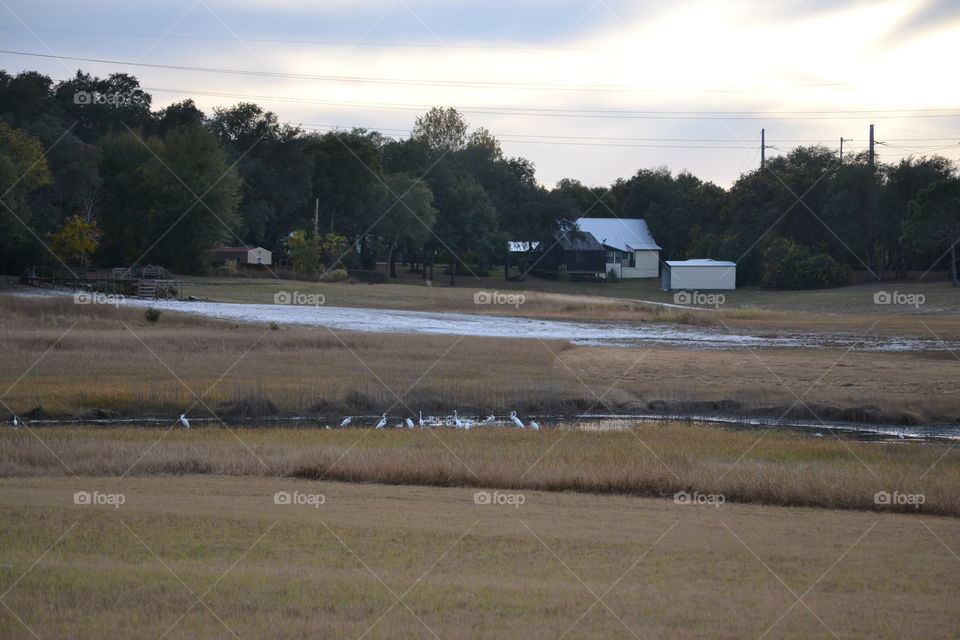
(763, 147)
(316, 218)
(871, 147)
(841, 150)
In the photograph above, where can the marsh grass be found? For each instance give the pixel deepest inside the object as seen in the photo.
(779, 467)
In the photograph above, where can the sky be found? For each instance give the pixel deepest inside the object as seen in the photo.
(588, 89)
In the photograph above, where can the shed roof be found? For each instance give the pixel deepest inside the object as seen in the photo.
(701, 262)
(515, 246)
(625, 234)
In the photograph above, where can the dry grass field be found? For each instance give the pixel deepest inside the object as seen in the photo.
(213, 557)
(60, 358)
(774, 467)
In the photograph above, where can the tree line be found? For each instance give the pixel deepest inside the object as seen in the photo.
(92, 174)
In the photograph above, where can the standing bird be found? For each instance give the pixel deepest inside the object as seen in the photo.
(421, 419)
(382, 423)
(534, 425)
(490, 419)
(516, 420)
(467, 424)
(327, 427)
(16, 422)
(409, 423)
(346, 421)
(184, 421)
(456, 420)
(900, 435)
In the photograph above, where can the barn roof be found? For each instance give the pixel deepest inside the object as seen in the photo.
(625, 234)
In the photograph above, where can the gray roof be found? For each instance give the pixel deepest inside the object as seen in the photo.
(624, 234)
(574, 240)
(701, 262)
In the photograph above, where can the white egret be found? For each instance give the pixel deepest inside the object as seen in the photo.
(534, 425)
(409, 423)
(516, 420)
(421, 419)
(900, 435)
(184, 421)
(818, 435)
(326, 427)
(456, 420)
(467, 424)
(490, 418)
(16, 422)
(382, 423)
(346, 421)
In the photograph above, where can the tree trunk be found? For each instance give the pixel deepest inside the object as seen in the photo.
(392, 263)
(453, 273)
(506, 266)
(953, 262)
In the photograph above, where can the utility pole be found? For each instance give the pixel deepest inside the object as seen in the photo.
(763, 147)
(841, 150)
(316, 218)
(871, 147)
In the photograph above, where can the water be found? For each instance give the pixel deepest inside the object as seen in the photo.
(583, 422)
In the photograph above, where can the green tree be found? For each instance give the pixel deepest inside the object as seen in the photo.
(466, 221)
(441, 129)
(933, 220)
(23, 170)
(184, 230)
(408, 216)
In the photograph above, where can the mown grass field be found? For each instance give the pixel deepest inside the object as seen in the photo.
(60, 358)
(214, 557)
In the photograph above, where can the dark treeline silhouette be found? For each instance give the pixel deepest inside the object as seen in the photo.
(88, 157)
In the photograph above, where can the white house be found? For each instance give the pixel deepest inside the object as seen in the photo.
(698, 275)
(631, 250)
(243, 255)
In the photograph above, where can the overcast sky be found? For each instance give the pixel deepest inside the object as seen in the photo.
(586, 89)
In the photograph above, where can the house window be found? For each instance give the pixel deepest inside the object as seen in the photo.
(613, 257)
(259, 260)
(631, 258)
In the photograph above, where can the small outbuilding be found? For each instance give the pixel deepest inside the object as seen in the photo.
(698, 275)
(243, 255)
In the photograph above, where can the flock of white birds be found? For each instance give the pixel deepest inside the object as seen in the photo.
(448, 421)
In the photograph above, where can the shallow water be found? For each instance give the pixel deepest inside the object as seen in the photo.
(586, 422)
(603, 334)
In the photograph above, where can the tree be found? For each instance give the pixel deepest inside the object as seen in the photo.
(23, 170)
(408, 216)
(182, 229)
(933, 220)
(125, 205)
(77, 240)
(441, 129)
(179, 115)
(466, 221)
(308, 253)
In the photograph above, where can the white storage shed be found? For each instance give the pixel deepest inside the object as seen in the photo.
(698, 275)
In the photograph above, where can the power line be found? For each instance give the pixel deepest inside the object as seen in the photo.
(593, 113)
(421, 82)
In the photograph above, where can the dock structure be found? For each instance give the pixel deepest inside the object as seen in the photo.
(150, 282)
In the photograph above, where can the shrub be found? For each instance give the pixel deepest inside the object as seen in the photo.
(334, 275)
(612, 276)
(787, 265)
(151, 314)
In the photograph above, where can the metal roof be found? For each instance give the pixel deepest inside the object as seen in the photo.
(516, 246)
(701, 262)
(624, 234)
(574, 240)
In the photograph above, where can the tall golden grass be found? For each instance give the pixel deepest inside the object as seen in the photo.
(776, 468)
